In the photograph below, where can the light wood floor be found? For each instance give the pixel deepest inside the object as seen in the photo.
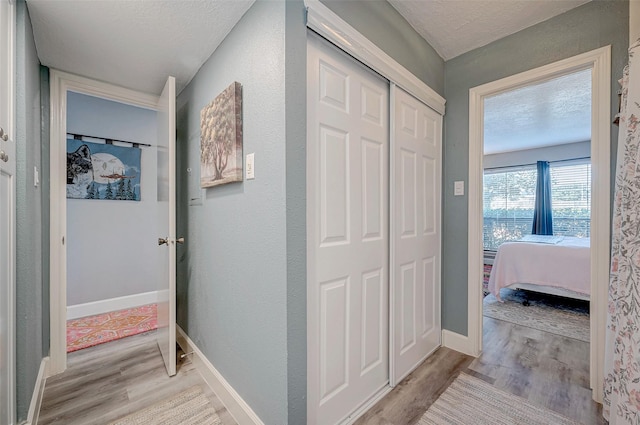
(112, 380)
(546, 369)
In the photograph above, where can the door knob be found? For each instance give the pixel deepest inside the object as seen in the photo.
(180, 240)
(162, 241)
(3, 156)
(4, 136)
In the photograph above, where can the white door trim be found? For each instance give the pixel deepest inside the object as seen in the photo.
(8, 40)
(599, 61)
(60, 83)
(323, 21)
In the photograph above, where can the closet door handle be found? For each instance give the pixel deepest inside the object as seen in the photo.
(163, 241)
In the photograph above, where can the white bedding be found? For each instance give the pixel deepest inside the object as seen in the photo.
(565, 264)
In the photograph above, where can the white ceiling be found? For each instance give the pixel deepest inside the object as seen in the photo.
(134, 44)
(550, 113)
(138, 43)
(454, 27)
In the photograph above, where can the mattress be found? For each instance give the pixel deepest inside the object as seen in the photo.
(561, 263)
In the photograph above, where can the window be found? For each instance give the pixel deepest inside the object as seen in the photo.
(509, 199)
(571, 199)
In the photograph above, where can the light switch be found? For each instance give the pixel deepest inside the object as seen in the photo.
(458, 188)
(249, 169)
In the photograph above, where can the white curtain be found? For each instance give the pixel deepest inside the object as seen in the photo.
(622, 349)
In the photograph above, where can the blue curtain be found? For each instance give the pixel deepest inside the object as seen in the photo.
(542, 216)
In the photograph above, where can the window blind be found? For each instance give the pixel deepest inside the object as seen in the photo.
(571, 199)
(508, 202)
(509, 197)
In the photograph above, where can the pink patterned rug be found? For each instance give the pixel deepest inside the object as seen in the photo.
(93, 330)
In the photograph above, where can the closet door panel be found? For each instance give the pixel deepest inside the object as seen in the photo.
(334, 337)
(415, 186)
(334, 186)
(373, 195)
(348, 235)
(429, 319)
(373, 349)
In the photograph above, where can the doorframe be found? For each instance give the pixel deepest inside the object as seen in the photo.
(60, 83)
(599, 61)
(9, 40)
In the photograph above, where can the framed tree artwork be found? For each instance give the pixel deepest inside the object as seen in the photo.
(221, 138)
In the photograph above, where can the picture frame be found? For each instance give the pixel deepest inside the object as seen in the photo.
(221, 157)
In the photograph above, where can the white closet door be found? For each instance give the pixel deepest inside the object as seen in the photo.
(416, 186)
(348, 243)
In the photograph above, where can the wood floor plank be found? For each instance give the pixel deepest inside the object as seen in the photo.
(548, 370)
(112, 380)
(406, 403)
(107, 382)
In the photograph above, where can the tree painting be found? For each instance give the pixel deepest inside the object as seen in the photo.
(221, 138)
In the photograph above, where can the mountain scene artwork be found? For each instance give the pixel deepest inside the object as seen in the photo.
(102, 171)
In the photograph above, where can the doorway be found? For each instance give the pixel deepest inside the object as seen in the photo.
(61, 84)
(599, 64)
(111, 217)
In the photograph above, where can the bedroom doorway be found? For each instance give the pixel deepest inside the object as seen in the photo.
(519, 167)
(537, 192)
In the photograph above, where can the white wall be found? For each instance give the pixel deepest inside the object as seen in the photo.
(111, 249)
(530, 156)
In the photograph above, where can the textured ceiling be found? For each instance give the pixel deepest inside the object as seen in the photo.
(454, 27)
(134, 44)
(554, 112)
(138, 43)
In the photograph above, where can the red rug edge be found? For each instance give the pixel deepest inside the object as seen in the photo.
(134, 331)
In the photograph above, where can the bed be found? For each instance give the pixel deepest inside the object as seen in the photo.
(556, 265)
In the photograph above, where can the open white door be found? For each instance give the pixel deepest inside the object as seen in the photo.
(7, 216)
(167, 225)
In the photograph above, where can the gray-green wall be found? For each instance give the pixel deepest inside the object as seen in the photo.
(29, 283)
(232, 281)
(242, 271)
(296, 187)
(588, 27)
(384, 26)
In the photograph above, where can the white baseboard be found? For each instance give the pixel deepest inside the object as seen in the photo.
(38, 391)
(112, 304)
(456, 342)
(239, 409)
